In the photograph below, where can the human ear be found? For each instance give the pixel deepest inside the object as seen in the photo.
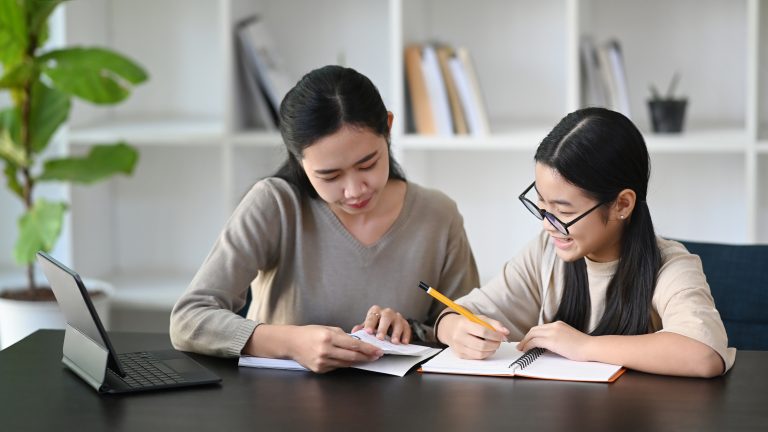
(390, 119)
(624, 204)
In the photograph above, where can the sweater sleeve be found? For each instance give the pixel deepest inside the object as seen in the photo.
(204, 319)
(685, 304)
(514, 296)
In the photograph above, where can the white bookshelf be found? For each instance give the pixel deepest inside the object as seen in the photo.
(140, 132)
(760, 59)
(149, 233)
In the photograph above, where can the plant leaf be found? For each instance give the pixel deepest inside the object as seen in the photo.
(38, 12)
(97, 75)
(16, 77)
(39, 228)
(50, 109)
(10, 151)
(9, 121)
(101, 162)
(13, 32)
(12, 180)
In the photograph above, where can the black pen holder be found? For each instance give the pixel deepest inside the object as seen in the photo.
(667, 115)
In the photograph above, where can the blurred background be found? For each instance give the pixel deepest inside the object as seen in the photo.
(201, 145)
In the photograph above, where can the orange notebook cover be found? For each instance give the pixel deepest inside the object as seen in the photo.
(536, 363)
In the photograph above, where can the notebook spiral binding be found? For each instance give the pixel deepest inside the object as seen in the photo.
(526, 359)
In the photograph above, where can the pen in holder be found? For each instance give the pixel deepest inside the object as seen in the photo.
(667, 112)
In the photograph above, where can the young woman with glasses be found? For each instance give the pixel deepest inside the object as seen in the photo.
(597, 284)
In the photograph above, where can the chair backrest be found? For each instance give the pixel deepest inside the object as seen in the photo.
(244, 310)
(738, 278)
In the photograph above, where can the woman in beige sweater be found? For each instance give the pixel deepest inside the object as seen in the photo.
(597, 284)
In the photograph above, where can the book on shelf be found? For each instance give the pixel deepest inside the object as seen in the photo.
(420, 106)
(538, 363)
(265, 76)
(436, 91)
(255, 110)
(604, 77)
(473, 100)
(444, 55)
(592, 84)
(443, 95)
(616, 64)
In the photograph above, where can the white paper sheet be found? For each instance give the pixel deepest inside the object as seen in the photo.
(397, 359)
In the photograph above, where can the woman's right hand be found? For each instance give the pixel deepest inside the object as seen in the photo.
(470, 340)
(322, 348)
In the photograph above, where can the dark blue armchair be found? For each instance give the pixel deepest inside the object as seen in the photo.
(244, 310)
(738, 278)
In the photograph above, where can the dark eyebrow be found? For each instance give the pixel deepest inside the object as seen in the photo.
(558, 202)
(561, 202)
(364, 159)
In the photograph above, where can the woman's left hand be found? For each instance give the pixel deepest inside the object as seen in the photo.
(380, 321)
(558, 337)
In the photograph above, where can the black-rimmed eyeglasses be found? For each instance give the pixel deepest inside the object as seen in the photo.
(560, 226)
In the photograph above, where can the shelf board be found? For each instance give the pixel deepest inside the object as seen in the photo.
(257, 139)
(147, 291)
(172, 131)
(762, 147)
(522, 140)
(140, 290)
(729, 141)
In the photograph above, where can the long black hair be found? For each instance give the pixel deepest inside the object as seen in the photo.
(603, 153)
(323, 101)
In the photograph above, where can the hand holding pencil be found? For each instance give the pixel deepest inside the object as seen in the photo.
(469, 340)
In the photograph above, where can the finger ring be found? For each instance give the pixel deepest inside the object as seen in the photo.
(374, 314)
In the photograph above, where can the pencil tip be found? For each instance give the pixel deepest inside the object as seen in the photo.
(423, 286)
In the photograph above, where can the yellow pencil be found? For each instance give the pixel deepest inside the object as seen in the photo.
(448, 302)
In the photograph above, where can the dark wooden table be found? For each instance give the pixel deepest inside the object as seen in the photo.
(38, 394)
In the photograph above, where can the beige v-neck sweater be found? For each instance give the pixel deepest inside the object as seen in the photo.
(304, 267)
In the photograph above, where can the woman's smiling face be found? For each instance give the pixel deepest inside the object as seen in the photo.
(596, 236)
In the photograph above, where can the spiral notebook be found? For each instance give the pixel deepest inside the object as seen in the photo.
(535, 363)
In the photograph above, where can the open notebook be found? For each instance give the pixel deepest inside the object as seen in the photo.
(398, 359)
(536, 363)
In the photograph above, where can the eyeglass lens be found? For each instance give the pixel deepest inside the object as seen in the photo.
(541, 214)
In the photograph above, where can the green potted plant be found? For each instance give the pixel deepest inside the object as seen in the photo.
(40, 83)
(667, 111)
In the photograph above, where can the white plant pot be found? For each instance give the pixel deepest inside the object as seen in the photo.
(21, 318)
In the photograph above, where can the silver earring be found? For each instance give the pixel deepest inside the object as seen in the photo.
(622, 216)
